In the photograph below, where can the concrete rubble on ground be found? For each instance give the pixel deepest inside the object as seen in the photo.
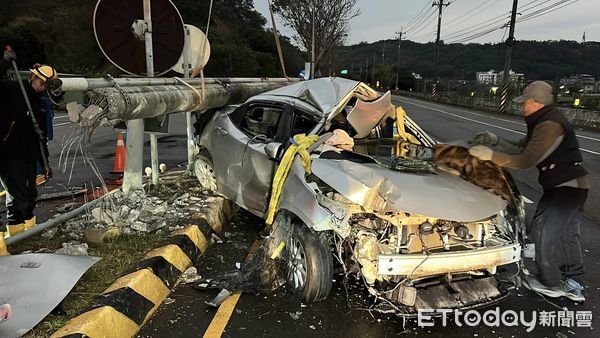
(73, 249)
(138, 213)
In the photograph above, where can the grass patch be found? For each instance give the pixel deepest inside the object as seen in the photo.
(118, 255)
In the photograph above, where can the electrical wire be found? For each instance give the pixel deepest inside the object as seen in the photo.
(413, 20)
(429, 21)
(453, 22)
(546, 10)
(424, 18)
(493, 24)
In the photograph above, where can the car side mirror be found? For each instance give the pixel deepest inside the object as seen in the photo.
(272, 149)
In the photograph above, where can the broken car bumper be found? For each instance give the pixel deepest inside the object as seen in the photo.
(417, 265)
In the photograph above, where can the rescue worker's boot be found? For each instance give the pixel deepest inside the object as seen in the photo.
(14, 229)
(3, 248)
(30, 223)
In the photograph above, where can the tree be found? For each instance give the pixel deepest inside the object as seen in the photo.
(331, 23)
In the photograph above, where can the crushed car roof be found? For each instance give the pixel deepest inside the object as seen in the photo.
(324, 94)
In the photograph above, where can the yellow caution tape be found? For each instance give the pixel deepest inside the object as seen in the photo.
(400, 126)
(300, 146)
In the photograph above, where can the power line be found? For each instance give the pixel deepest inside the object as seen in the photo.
(535, 15)
(483, 25)
(424, 24)
(453, 21)
(416, 16)
(482, 31)
(424, 18)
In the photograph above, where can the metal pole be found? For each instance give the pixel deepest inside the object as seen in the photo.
(132, 179)
(510, 42)
(398, 62)
(440, 5)
(373, 77)
(188, 115)
(312, 47)
(55, 221)
(150, 71)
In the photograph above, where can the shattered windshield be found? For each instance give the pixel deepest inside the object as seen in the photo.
(398, 154)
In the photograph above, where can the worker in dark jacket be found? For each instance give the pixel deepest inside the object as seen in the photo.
(551, 146)
(20, 149)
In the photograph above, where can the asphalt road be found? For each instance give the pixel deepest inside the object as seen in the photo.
(172, 152)
(346, 312)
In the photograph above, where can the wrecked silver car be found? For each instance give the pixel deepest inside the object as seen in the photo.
(423, 225)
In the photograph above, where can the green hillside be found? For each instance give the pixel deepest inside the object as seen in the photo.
(536, 59)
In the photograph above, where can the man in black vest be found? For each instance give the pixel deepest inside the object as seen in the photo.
(550, 145)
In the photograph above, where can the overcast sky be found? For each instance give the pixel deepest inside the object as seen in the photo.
(465, 19)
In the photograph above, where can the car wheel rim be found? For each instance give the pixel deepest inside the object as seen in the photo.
(205, 175)
(296, 265)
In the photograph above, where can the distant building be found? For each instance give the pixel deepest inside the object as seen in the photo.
(489, 77)
(493, 78)
(581, 81)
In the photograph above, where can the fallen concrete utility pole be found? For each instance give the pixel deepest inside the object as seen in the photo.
(110, 106)
(81, 84)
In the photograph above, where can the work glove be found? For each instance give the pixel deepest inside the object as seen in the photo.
(482, 152)
(486, 138)
(9, 55)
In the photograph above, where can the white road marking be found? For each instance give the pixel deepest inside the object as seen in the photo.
(61, 117)
(61, 124)
(484, 123)
(527, 200)
(505, 120)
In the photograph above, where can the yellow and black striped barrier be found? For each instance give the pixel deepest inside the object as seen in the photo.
(434, 91)
(503, 99)
(123, 308)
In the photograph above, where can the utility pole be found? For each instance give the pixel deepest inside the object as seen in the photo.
(440, 5)
(373, 77)
(312, 48)
(398, 59)
(510, 42)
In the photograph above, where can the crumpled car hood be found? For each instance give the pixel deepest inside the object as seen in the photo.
(441, 195)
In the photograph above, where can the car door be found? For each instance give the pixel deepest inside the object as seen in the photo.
(238, 151)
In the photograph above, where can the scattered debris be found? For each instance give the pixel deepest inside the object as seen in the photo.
(295, 315)
(220, 298)
(73, 249)
(50, 233)
(169, 301)
(313, 327)
(190, 276)
(216, 238)
(138, 213)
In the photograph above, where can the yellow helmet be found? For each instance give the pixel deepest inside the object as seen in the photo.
(44, 72)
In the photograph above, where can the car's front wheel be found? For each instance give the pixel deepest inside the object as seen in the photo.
(309, 264)
(205, 172)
